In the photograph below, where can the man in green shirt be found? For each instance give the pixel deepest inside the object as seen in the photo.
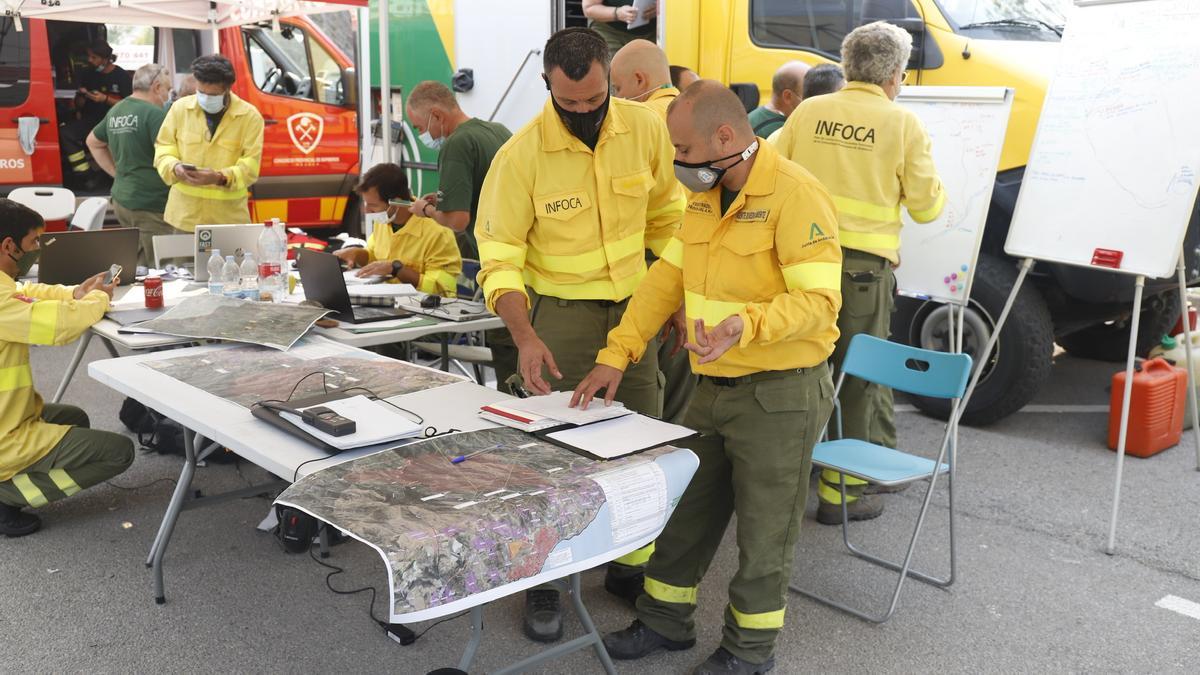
(786, 93)
(123, 145)
(465, 146)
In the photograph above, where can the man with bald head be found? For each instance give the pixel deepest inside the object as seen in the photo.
(757, 264)
(640, 72)
(787, 88)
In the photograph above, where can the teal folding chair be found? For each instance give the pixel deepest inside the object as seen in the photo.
(916, 371)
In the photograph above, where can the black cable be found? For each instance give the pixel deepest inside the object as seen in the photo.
(329, 584)
(440, 621)
(296, 474)
(420, 420)
(139, 487)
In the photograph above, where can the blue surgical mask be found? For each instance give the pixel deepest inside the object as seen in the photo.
(427, 138)
(209, 103)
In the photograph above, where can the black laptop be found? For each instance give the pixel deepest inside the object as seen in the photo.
(72, 257)
(321, 275)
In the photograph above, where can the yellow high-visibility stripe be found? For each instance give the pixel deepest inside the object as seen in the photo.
(673, 253)
(591, 260)
(863, 240)
(761, 621)
(668, 593)
(503, 280)
(503, 253)
(64, 482)
(656, 246)
(854, 207)
(29, 491)
(43, 320)
(77, 156)
(445, 280)
(811, 275)
(211, 192)
(926, 215)
(676, 206)
(16, 377)
(712, 311)
(427, 283)
(637, 558)
(589, 290)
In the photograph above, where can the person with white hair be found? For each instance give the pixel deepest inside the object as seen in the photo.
(874, 156)
(123, 145)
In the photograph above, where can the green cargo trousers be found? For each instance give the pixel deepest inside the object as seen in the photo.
(149, 224)
(868, 295)
(679, 382)
(755, 448)
(83, 458)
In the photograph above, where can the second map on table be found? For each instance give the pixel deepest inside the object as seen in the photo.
(220, 318)
(246, 375)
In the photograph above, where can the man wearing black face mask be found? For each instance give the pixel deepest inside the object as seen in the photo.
(47, 452)
(568, 209)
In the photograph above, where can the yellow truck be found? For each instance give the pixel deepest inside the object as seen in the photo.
(1012, 43)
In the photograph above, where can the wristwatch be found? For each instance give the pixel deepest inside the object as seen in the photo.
(396, 267)
(425, 209)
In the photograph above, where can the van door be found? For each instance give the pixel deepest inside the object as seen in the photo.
(299, 82)
(27, 93)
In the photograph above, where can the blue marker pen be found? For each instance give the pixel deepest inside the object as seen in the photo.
(462, 458)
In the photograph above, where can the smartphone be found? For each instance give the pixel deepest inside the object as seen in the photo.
(399, 202)
(112, 273)
(188, 167)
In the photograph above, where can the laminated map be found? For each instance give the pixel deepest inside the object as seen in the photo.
(216, 317)
(519, 513)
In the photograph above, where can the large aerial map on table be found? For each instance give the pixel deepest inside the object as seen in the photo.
(219, 318)
(522, 511)
(246, 375)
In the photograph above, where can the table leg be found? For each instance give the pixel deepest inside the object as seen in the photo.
(112, 349)
(72, 366)
(445, 352)
(591, 638)
(476, 637)
(172, 514)
(586, 619)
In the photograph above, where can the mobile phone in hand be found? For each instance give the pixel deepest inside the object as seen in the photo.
(399, 202)
(188, 167)
(112, 273)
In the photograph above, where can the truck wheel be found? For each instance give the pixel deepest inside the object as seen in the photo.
(1021, 361)
(1110, 341)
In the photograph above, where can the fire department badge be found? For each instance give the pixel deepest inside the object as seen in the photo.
(305, 129)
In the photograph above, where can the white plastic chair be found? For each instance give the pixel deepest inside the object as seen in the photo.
(53, 203)
(167, 246)
(90, 214)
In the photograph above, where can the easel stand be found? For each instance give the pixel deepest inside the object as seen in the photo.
(1139, 287)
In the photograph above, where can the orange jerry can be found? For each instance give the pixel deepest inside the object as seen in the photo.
(1155, 408)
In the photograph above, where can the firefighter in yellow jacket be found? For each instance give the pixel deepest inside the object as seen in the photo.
(756, 263)
(47, 452)
(569, 207)
(873, 156)
(209, 150)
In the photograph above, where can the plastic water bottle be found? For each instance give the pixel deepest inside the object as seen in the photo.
(249, 278)
(272, 254)
(215, 264)
(231, 278)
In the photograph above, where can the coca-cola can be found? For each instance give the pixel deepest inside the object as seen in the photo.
(154, 292)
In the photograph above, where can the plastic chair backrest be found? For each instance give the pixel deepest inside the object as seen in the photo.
(468, 288)
(90, 214)
(917, 371)
(53, 203)
(168, 246)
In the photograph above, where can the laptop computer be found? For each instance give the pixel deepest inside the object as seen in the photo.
(447, 309)
(229, 239)
(321, 275)
(72, 257)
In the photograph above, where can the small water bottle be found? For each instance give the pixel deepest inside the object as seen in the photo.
(249, 278)
(272, 261)
(215, 264)
(231, 278)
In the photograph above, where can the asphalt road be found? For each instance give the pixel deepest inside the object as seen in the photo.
(1035, 589)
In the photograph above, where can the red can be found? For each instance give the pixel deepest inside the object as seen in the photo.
(154, 292)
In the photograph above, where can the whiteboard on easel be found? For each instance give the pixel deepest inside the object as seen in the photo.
(966, 128)
(1112, 178)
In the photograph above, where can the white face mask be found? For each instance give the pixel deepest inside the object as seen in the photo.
(209, 103)
(427, 138)
(374, 220)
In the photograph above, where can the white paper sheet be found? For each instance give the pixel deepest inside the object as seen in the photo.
(621, 436)
(637, 499)
(555, 406)
(352, 278)
(375, 422)
(641, 6)
(384, 290)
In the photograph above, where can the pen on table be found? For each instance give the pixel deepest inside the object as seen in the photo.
(462, 458)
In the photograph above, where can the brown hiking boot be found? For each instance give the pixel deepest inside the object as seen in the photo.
(866, 507)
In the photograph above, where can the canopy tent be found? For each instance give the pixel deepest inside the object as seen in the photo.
(190, 14)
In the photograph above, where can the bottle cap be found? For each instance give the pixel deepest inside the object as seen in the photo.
(1168, 342)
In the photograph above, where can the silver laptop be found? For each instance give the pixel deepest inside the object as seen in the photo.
(231, 240)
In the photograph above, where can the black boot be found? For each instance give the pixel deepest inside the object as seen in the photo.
(865, 507)
(16, 523)
(543, 615)
(624, 581)
(722, 661)
(638, 641)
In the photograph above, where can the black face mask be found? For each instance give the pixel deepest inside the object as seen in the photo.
(586, 125)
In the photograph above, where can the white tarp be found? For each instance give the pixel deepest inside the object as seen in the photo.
(191, 14)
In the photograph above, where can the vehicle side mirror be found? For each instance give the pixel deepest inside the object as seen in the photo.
(916, 28)
(349, 87)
